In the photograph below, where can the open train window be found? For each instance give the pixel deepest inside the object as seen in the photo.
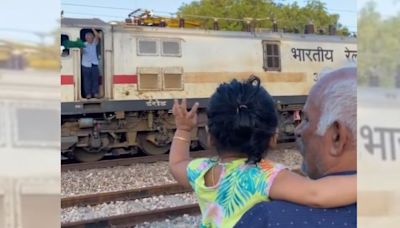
(272, 57)
(147, 46)
(64, 49)
(171, 48)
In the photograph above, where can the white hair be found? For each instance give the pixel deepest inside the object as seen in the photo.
(339, 103)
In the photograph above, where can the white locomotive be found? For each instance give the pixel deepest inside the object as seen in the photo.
(144, 68)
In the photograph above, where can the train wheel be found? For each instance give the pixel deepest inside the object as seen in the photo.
(83, 155)
(202, 135)
(150, 148)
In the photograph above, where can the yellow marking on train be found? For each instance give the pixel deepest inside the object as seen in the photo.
(217, 77)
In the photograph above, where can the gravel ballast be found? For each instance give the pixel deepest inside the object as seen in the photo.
(115, 178)
(142, 175)
(185, 221)
(81, 213)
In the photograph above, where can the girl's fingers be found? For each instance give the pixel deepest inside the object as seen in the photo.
(193, 111)
(174, 110)
(174, 107)
(184, 105)
(177, 107)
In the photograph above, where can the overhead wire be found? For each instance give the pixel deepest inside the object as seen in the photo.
(93, 15)
(123, 8)
(170, 14)
(94, 6)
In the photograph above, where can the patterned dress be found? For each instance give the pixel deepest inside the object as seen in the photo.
(239, 188)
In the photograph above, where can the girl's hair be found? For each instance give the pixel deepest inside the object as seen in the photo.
(242, 118)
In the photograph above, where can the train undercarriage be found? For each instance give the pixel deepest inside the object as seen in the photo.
(91, 135)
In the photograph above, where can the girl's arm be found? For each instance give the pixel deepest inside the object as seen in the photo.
(179, 153)
(327, 192)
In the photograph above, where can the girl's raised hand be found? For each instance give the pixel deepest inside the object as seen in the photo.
(185, 120)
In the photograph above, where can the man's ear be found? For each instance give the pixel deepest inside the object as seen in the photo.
(339, 138)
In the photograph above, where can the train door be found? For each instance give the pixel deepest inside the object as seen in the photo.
(100, 55)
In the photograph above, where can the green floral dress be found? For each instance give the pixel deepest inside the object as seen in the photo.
(240, 187)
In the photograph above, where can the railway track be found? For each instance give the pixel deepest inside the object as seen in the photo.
(135, 218)
(131, 218)
(143, 159)
(131, 194)
(126, 161)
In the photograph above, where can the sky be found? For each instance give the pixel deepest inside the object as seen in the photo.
(347, 9)
(386, 8)
(43, 15)
(35, 15)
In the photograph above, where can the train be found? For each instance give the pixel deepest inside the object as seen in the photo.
(143, 68)
(29, 166)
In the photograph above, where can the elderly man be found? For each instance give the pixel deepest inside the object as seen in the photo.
(327, 141)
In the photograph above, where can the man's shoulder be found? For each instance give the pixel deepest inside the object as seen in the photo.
(90, 44)
(277, 204)
(287, 214)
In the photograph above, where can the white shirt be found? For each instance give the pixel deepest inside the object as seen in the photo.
(89, 55)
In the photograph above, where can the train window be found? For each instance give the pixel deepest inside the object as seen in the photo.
(28, 122)
(64, 49)
(171, 48)
(272, 58)
(147, 47)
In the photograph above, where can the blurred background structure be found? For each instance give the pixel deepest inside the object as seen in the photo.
(378, 114)
(29, 114)
(19, 55)
(378, 24)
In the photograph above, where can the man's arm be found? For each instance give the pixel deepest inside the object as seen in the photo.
(97, 35)
(327, 192)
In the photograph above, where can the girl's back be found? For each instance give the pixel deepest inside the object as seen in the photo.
(239, 187)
